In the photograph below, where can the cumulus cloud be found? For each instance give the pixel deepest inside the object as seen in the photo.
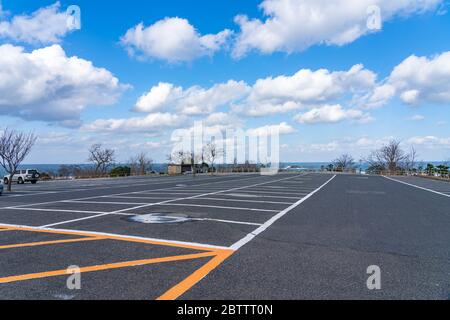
(430, 141)
(44, 26)
(191, 101)
(172, 40)
(305, 89)
(48, 85)
(332, 114)
(295, 25)
(416, 81)
(151, 123)
(282, 128)
(421, 79)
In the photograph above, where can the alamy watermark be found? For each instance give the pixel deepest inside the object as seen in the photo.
(374, 280)
(232, 146)
(73, 13)
(74, 280)
(374, 20)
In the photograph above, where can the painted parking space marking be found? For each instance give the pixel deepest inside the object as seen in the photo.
(45, 243)
(418, 187)
(239, 244)
(152, 204)
(217, 255)
(248, 201)
(229, 194)
(216, 207)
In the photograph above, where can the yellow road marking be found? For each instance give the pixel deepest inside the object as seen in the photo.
(218, 256)
(109, 266)
(179, 289)
(120, 238)
(43, 243)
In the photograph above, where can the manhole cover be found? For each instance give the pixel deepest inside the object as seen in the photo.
(160, 218)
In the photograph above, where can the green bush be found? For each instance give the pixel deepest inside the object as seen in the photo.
(121, 172)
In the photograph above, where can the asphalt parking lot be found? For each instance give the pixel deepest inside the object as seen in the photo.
(289, 236)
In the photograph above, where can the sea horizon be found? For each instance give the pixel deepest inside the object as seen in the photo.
(162, 167)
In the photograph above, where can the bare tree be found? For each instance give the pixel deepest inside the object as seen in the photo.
(101, 157)
(410, 161)
(145, 163)
(134, 165)
(14, 147)
(212, 153)
(390, 157)
(344, 162)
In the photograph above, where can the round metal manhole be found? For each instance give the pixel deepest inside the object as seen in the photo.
(160, 218)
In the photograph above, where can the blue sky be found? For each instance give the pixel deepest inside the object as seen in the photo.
(185, 49)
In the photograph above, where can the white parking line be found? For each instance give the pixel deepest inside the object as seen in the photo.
(118, 194)
(174, 193)
(133, 197)
(103, 202)
(58, 210)
(266, 225)
(276, 193)
(216, 207)
(422, 188)
(250, 201)
(163, 202)
(228, 221)
(243, 195)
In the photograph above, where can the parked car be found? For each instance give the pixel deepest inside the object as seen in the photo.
(1, 187)
(22, 176)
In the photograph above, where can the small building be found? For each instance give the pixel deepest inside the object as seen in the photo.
(176, 169)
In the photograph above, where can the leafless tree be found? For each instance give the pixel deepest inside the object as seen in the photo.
(140, 164)
(101, 157)
(344, 162)
(410, 161)
(14, 147)
(212, 153)
(390, 157)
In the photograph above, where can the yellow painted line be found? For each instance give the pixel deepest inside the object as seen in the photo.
(103, 267)
(118, 237)
(179, 289)
(44, 243)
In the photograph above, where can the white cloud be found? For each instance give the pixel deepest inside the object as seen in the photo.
(430, 141)
(417, 117)
(332, 114)
(306, 88)
(44, 26)
(151, 123)
(46, 84)
(157, 97)
(282, 128)
(173, 40)
(416, 81)
(192, 101)
(295, 25)
(421, 79)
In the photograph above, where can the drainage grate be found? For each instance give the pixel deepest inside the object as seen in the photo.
(160, 218)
